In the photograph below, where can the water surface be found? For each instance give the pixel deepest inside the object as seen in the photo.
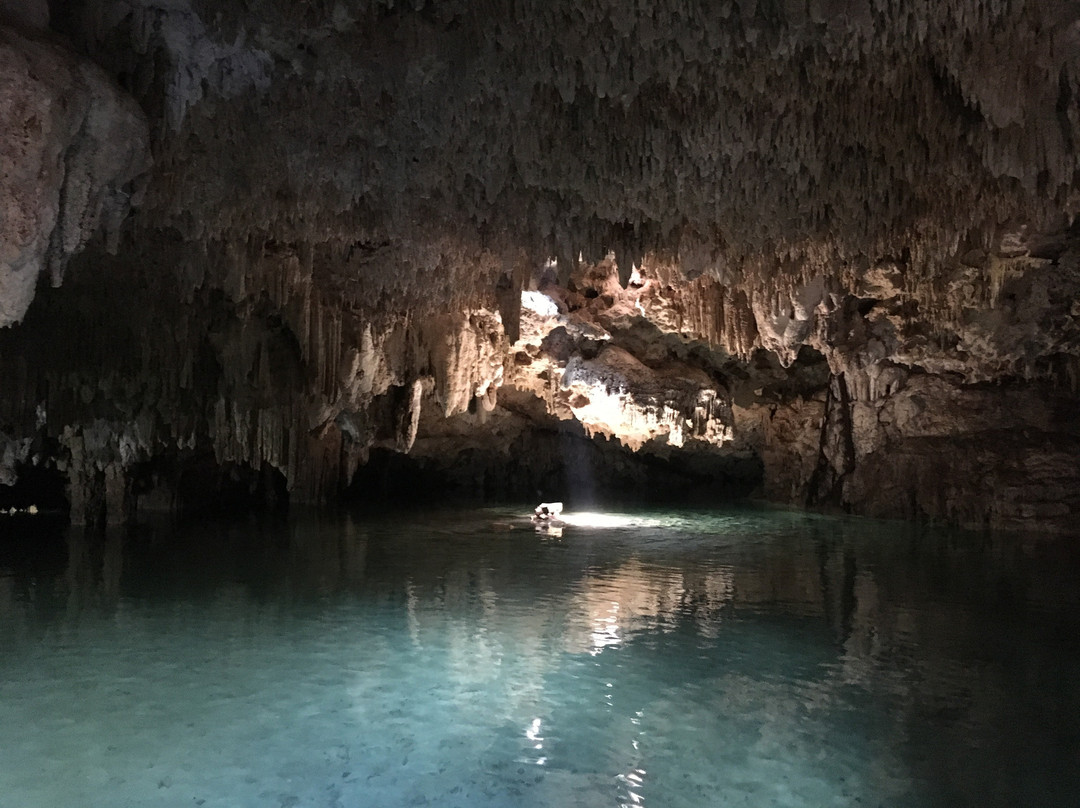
(725, 658)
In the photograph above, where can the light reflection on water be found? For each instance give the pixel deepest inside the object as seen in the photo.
(649, 659)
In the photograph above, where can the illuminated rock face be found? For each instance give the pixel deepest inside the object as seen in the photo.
(818, 250)
(72, 146)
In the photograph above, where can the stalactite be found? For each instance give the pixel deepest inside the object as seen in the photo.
(925, 108)
(72, 145)
(344, 195)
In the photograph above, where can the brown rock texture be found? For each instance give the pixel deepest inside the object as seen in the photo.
(71, 147)
(821, 252)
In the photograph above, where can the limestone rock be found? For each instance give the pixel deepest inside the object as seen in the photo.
(72, 146)
(826, 252)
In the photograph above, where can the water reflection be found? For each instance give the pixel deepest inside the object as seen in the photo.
(609, 606)
(644, 660)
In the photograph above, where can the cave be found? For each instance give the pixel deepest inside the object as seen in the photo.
(834, 242)
(301, 268)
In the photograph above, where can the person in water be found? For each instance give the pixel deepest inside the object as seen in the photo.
(547, 512)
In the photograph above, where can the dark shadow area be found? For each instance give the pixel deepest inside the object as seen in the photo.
(205, 488)
(196, 486)
(33, 546)
(41, 487)
(554, 465)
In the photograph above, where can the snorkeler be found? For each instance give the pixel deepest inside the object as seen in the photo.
(547, 511)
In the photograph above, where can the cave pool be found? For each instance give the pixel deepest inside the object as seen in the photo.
(741, 657)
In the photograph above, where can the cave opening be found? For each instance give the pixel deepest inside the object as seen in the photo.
(206, 488)
(195, 486)
(557, 464)
(40, 487)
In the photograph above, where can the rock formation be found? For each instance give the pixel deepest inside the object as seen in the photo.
(72, 147)
(819, 251)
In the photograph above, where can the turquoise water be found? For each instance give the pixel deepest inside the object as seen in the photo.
(741, 658)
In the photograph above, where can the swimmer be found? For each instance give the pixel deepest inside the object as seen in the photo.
(547, 511)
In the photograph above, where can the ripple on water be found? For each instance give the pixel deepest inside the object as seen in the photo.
(664, 659)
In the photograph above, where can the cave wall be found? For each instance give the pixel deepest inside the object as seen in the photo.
(820, 251)
(73, 145)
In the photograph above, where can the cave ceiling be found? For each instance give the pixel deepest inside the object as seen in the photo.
(767, 136)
